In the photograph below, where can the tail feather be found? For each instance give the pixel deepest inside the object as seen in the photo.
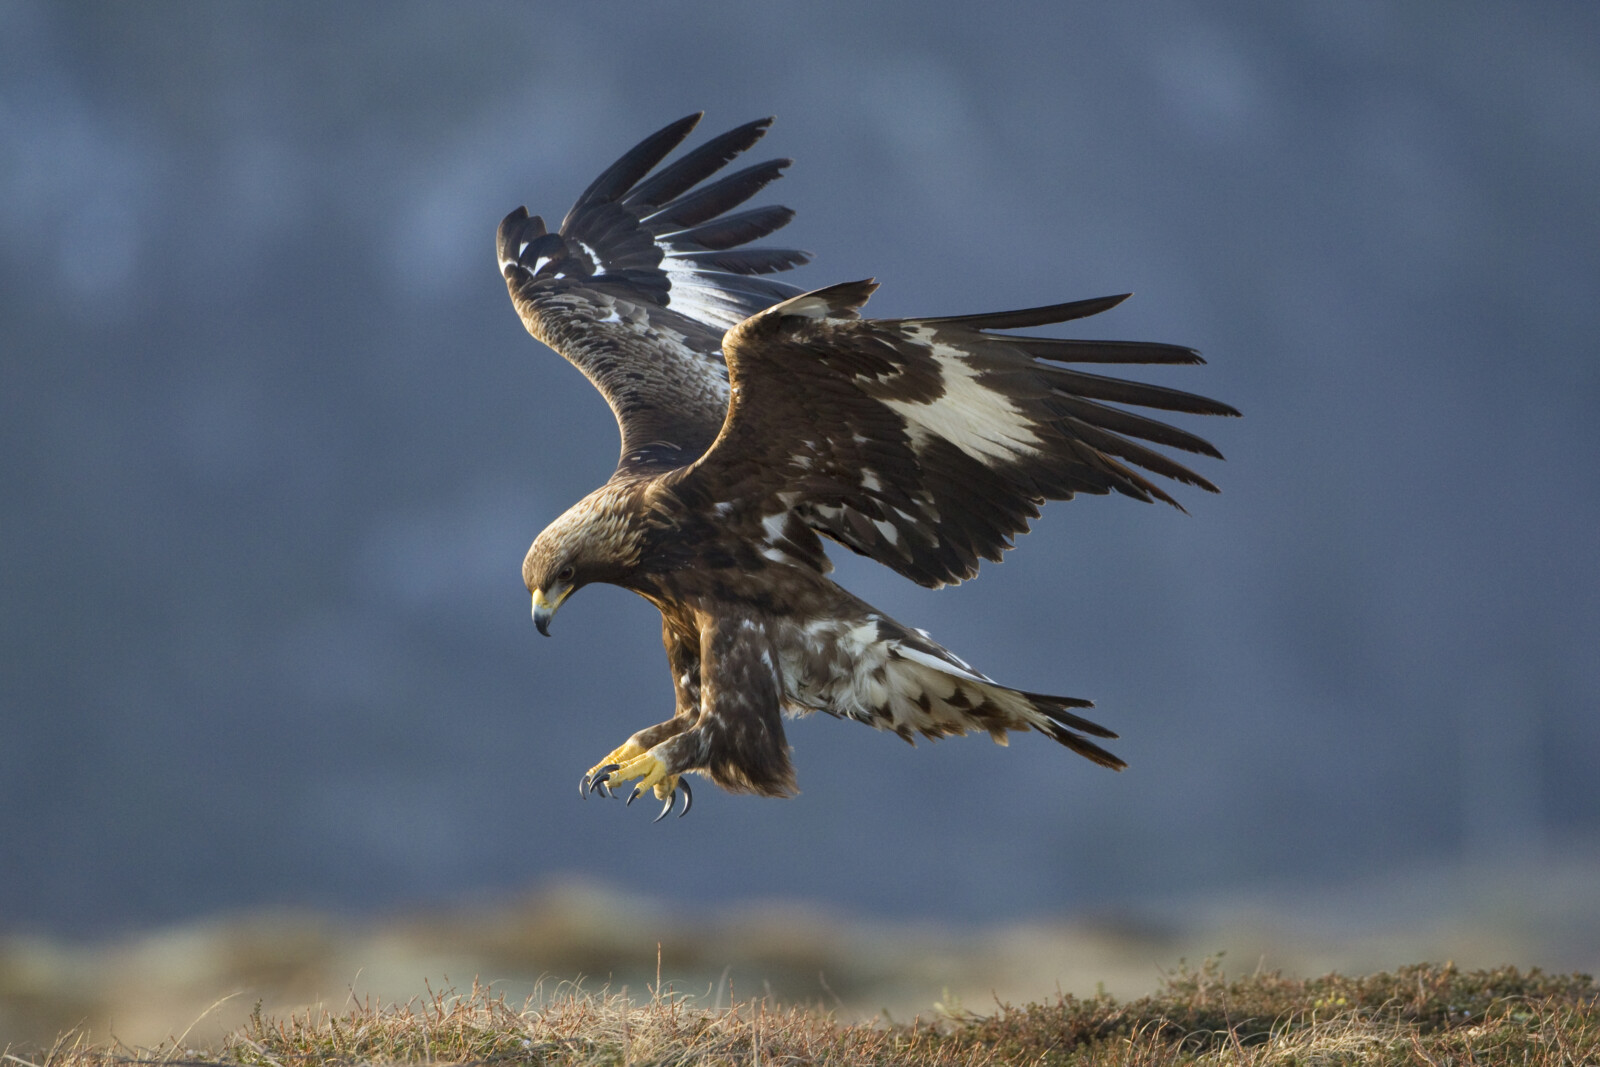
(931, 692)
(1082, 746)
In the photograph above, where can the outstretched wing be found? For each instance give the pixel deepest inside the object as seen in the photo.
(927, 444)
(645, 274)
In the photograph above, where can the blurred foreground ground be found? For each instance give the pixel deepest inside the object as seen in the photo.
(1531, 911)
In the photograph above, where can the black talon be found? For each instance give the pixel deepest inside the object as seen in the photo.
(688, 801)
(596, 780)
(632, 797)
(603, 787)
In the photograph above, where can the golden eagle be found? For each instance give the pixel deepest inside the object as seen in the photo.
(756, 417)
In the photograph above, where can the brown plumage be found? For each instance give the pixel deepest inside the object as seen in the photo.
(757, 419)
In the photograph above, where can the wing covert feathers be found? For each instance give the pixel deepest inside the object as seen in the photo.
(929, 444)
(645, 273)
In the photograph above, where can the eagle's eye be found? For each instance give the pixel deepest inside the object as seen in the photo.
(567, 572)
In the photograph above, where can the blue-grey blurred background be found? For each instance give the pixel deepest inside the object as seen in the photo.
(273, 443)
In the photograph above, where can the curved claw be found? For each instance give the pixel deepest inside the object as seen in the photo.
(632, 797)
(688, 801)
(596, 780)
(602, 786)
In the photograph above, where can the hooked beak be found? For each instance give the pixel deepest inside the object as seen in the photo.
(544, 610)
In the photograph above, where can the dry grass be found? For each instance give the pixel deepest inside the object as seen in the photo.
(143, 988)
(1422, 1015)
(1417, 1015)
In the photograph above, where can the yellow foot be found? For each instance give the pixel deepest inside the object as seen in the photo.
(602, 772)
(652, 771)
(630, 761)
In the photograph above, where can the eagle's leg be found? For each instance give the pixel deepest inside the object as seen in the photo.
(633, 759)
(596, 777)
(682, 643)
(652, 771)
(730, 723)
(736, 736)
(607, 770)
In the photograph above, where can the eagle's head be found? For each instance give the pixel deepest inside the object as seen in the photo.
(595, 541)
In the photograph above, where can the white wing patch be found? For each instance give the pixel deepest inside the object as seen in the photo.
(594, 257)
(808, 307)
(774, 538)
(981, 422)
(693, 294)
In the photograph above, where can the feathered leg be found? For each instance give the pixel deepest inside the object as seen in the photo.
(737, 739)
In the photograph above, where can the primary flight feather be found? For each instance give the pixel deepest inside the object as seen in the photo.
(757, 419)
